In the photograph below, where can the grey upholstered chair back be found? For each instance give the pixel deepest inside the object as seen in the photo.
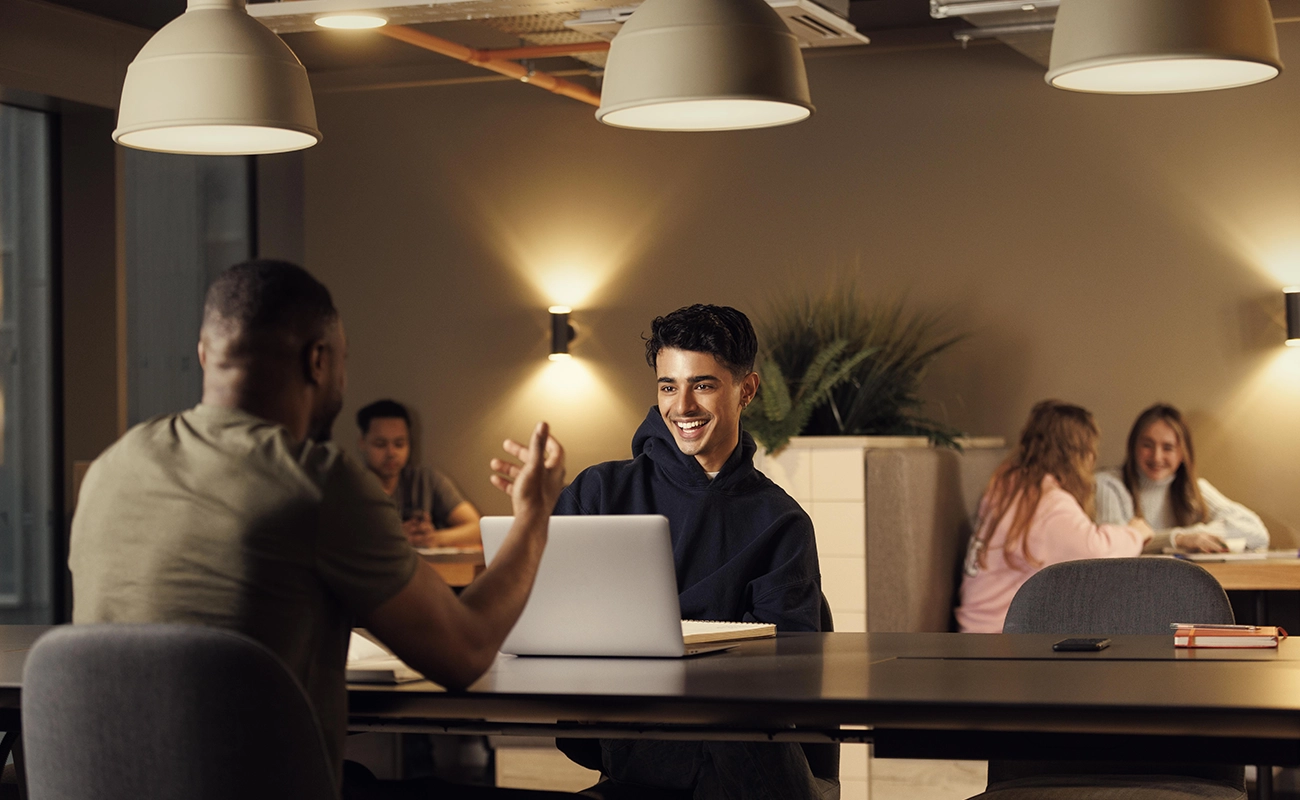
(1115, 596)
(138, 712)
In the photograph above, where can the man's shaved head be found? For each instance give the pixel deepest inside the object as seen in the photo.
(272, 344)
(265, 303)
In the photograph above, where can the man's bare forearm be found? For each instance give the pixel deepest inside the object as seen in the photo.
(454, 640)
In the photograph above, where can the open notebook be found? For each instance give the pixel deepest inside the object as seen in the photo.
(700, 631)
(371, 662)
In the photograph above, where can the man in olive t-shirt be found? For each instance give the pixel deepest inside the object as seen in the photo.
(239, 514)
(232, 524)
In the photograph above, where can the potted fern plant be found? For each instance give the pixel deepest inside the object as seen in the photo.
(840, 364)
(840, 391)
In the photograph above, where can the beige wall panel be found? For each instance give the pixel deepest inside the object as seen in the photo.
(1111, 251)
(55, 51)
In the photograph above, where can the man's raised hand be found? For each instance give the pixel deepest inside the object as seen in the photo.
(535, 484)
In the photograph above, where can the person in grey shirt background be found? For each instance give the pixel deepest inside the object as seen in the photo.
(434, 512)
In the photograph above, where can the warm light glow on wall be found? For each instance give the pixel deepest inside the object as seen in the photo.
(571, 395)
(568, 284)
(1280, 258)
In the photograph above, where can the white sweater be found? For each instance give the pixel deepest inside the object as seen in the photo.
(1227, 519)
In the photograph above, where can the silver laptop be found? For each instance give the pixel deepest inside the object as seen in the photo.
(606, 587)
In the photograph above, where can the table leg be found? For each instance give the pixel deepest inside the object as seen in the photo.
(1261, 607)
(20, 768)
(7, 746)
(1263, 781)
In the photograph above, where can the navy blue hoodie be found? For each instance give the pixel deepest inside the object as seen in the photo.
(744, 548)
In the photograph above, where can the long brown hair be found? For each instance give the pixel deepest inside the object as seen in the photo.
(1184, 493)
(1058, 440)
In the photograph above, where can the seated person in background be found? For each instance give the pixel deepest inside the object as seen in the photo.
(743, 548)
(433, 511)
(1158, 483)
(1036, 512)
(240, 514)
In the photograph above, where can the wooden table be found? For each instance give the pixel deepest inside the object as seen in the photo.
(458, 568)
(1271, 574)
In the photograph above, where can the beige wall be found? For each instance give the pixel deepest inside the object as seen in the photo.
(1110, 251)
(65, 54)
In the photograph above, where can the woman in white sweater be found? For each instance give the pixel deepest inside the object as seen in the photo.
(1158, 483)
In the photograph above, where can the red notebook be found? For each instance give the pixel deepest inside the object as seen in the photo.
(1190, 635)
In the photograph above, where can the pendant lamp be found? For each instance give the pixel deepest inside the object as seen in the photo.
(215, 81)
(704, 65)
(1162, 46)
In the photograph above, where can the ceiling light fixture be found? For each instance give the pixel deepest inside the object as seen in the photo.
(1162, 46)
(214, 81)
(704, 65)
(351, 22)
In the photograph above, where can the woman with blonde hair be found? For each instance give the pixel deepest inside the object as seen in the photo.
(1158, 484)
(1037, 511)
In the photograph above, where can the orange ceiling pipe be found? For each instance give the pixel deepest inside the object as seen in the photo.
(547, 51)
(488, 59)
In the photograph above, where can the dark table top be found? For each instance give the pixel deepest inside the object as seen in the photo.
(922, 682)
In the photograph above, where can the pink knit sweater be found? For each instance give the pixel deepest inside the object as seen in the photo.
(1059, 531)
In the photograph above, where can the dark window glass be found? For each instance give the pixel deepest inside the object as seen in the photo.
(187, 218)
(28, 523)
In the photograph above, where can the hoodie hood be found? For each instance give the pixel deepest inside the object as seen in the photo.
(654, 441)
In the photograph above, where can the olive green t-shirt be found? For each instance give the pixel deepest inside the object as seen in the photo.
(216, 517)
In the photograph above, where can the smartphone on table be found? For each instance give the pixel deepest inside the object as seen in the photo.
(1081, 645)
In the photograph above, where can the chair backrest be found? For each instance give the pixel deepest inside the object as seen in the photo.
(123, 711)
(919, 504)
(1116, 596)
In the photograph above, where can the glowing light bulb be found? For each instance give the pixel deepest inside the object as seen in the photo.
(351, 22)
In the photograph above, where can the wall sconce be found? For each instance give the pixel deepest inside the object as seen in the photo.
(561, 333)
(1292, 295)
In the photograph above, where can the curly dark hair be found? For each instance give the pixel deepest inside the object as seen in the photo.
(721, 331)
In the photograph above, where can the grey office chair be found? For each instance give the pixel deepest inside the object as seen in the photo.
(138, 712)
(1115, 596)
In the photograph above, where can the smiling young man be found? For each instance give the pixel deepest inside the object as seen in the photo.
(743, 548)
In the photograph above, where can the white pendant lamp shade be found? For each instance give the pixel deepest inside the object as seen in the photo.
(1162, 46)
(704, 65)
(215, 81)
